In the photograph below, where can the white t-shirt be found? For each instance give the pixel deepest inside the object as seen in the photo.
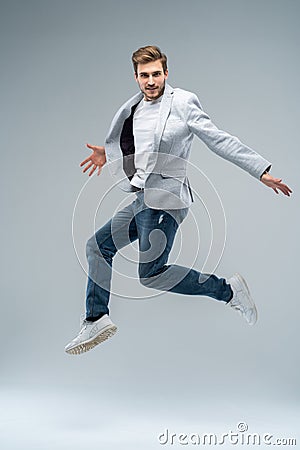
(144, 124)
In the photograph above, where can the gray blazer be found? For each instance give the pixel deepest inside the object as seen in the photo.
(180, 118)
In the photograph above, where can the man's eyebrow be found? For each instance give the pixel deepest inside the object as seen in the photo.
(147, 73)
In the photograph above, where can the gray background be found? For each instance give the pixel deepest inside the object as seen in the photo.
(186, 364)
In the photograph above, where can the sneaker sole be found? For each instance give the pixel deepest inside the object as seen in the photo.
(243, 281)
(88, 345)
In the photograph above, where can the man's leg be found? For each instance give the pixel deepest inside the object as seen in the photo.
(157, 230)
(100, 250)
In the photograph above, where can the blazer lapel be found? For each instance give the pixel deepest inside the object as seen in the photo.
(165, 108)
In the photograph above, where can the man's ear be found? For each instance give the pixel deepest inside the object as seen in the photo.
(166, 74)
(135, 76)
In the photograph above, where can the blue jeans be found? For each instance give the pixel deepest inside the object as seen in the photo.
(155, 230)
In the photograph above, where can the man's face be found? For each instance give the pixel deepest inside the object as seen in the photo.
(151, 79)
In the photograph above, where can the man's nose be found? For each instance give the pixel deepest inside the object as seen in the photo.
(150, 80)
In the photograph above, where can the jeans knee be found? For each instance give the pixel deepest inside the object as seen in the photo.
(148, 276)
(147, 282)
(100, 247)
(91, 246)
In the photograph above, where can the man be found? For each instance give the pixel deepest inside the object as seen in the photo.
(148, 147)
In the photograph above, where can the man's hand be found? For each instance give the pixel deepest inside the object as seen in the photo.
(276, 184)
(96, 159)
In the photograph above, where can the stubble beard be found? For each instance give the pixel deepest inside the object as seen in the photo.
(159, 94)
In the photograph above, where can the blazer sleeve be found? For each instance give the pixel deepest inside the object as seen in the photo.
(222, 143)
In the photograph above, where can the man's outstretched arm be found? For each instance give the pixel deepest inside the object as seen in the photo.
(96, 159)
(230, 147)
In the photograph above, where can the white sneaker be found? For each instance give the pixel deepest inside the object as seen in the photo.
(241, 300)
(91, 334)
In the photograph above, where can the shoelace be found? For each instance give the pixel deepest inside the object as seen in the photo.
(239, 307)
(83, 327)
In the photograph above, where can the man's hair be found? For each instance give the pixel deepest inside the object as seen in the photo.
(148, 54)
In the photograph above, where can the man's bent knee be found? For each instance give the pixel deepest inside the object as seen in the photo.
(150, 278)
(91, 246)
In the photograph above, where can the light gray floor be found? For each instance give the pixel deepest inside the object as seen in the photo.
(71, 419)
